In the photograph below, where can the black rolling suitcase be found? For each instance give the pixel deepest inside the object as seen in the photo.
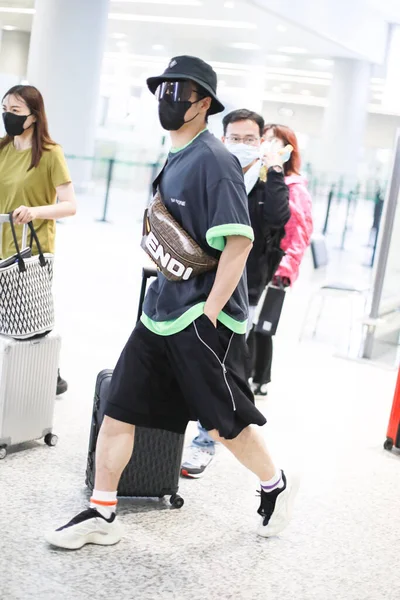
(154, 468)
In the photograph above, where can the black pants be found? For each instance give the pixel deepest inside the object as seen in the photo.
(196, 374)
(260, 351)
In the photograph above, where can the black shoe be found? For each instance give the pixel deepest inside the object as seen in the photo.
(62, 385)
(276, 507)
(259, 389)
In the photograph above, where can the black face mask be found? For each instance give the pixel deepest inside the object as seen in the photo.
(14, 124)
(172, 114)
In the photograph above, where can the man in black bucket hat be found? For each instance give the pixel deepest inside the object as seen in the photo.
(189, 68)
(185, 359)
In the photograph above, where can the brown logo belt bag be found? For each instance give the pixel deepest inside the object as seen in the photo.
(170, 247)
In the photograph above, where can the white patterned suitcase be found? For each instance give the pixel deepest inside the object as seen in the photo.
(28, 382)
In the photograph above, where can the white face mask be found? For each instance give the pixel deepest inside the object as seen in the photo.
(245, 153)
(251, 176)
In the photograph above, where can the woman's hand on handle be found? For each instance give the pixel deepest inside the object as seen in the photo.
(66, 207)
(24, 214)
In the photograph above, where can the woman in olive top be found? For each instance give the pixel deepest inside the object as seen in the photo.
(33, 173)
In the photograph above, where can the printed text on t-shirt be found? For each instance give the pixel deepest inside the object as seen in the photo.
(180, 202)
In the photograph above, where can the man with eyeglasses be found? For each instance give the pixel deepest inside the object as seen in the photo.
(268, 200)
(184, 360)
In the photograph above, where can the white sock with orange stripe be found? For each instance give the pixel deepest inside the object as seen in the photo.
(104, 502)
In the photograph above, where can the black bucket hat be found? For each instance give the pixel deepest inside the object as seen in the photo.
(185, 67)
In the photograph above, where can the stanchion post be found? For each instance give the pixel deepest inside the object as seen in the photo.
(155, 167)
(110, 172)
(153, 175)
(328, 208)
(349, 201)
(340, 190)
(377, 224)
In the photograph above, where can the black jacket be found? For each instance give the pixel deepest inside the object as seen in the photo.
(269, 213)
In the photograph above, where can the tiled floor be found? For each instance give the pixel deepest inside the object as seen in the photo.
(327, 418)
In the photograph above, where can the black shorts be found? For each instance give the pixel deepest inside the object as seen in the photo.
(196, 374)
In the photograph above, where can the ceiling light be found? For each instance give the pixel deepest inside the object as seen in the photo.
(158, 47)
(286, 86)
(322, 62)
(17, 11)
(377, 87)
(301, 73)
(285, 112)
(277, 89)
(245, 46)
(122, 44)
(279, 57)
(181, 21)
(118, 36)
(297, 79)
(168, 2)
(9, 28)
(305, 93)
(378, 97)
(272, 73)
(229, 4)
(293, 50)
(281, 28)
(296, 99)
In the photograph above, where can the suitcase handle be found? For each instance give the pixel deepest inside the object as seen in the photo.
(6, 219)
(147, 273)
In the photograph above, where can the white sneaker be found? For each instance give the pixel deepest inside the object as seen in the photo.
(276, 507)
(195, 462)
(89, 527)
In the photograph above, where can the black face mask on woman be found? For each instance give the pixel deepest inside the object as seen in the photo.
(14, 124)
(172, 114)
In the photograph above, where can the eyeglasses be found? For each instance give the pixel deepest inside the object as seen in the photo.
(249, 140)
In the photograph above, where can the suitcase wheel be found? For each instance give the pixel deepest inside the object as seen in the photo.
(51, 439)
(3, 452)
(177, 501)
(388, 444)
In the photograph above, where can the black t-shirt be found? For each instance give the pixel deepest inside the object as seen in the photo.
(202, 186)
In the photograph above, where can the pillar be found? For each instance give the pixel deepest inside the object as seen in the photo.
(67, 46)
(14, 48)
(345, 117)
(249, 95)
(391, 92)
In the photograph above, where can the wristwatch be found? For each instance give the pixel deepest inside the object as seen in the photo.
(276, 168)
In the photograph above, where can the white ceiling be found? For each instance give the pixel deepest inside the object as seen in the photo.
(390, 9)
(239, 38)
(242, 22)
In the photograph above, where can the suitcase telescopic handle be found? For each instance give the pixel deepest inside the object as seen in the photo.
(147, 273)
(6, 219)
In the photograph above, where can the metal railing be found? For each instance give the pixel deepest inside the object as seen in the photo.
(116, 184)
(100, 175)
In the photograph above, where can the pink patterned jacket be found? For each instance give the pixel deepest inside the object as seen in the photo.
(298, 229)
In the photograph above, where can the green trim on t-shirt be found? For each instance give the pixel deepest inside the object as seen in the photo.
(216, 235)
(177, 325)
(175, 150)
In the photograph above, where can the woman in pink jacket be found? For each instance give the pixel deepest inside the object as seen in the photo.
(298, 232)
